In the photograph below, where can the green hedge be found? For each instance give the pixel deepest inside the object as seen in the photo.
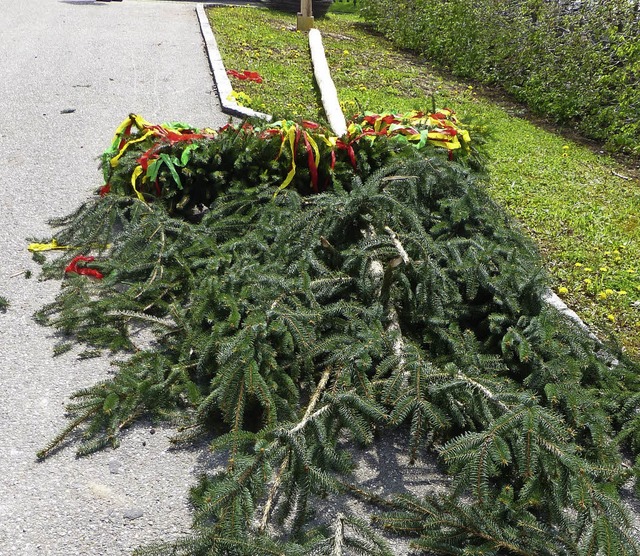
(577, 62)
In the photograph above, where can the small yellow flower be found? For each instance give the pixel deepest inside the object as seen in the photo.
(587, 281)
(242, 99)
(588, 269)
(602, 295)
(562, 290)
(608, 291)
(345, 52)
(616, 252)
(611, 317)
(604, 269)
(578, 265)
(631, 271)
(622, 292)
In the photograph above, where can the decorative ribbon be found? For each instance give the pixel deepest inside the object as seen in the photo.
(291, 133)
(73, 267)
(245, 75)
(53, 244)
(163, 134)
(440, 129)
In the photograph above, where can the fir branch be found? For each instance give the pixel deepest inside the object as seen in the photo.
(308, 416)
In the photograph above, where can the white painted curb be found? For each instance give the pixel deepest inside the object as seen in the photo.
(328, 90)
(223, 84)
(322, 74)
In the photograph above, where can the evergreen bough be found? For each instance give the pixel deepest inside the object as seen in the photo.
(287, 326)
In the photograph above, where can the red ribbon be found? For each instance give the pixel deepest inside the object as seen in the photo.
(73, 267)
(125, 134)
(245, 75)
(267, 133)
(349, 148)
(313, 171)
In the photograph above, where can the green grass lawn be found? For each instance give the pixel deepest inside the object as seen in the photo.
(568, 196)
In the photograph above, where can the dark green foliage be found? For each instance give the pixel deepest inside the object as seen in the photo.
(147, 381)
(188, 176)
(4, 304)
(284, 327)
(498, 527)
(577, 62)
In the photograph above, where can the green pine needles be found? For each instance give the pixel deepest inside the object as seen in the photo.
(285, 328)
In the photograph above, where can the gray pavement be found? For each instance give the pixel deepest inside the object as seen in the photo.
(97, 62)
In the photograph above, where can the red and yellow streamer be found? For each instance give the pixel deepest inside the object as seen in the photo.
(440, 129)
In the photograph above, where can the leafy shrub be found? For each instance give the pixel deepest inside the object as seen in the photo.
(288, 321)
(577, 62)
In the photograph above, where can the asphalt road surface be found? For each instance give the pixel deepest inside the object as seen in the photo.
(71, 71)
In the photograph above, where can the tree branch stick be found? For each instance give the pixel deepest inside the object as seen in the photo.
(396, 242)
(485, 391)
(313, 401)
(620, 175)
(338, 536)
(308, 415)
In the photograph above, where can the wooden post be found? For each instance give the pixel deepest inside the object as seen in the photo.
(305, 16)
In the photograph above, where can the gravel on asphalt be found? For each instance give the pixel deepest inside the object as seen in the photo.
(71, 71)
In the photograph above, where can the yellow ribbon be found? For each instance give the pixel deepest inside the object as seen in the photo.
(290, 135)
(329, 141)
(134, 176)
(443, 140)
(316, 151)
(53, 244)
(131, 120)
(115, 159)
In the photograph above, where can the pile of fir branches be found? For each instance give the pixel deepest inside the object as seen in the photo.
(289, 324)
